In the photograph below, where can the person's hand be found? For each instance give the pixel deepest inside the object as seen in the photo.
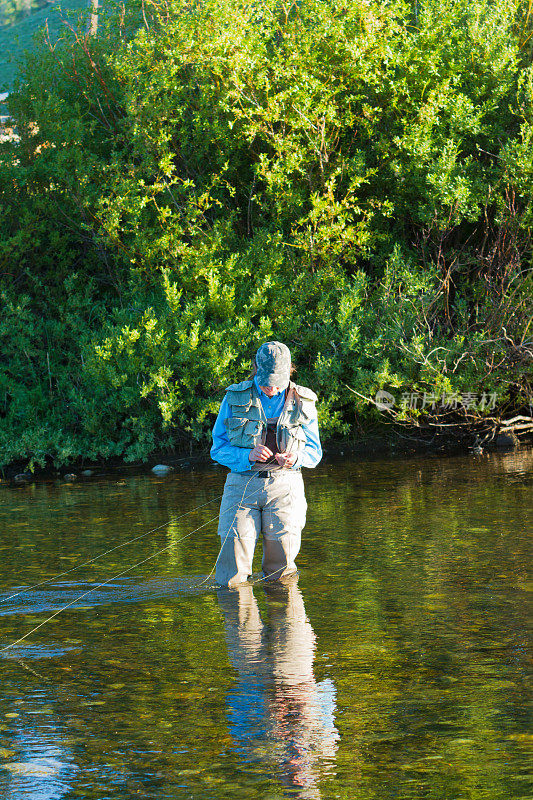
(286, 459)
(260, 453)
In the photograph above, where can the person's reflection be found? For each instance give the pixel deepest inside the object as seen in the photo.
(277, 712)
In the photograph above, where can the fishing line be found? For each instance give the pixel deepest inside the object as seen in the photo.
(140, 563)
(104, 583)
(120, 574)
(229, 529)
(118, 547)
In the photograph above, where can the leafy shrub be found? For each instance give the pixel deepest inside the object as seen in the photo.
(354, 180)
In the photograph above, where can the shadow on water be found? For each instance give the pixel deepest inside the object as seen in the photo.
(405, 676)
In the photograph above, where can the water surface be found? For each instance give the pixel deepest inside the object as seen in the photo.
(12, 11)
(397, 667)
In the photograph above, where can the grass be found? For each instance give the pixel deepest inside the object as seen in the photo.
(17, 38)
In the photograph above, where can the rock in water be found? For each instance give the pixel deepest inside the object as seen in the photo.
(507, 440)
(41, 769)
(161, 469)
(23, 477)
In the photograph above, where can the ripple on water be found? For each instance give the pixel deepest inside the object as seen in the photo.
(35, 652)
(87, 595)
(397, 667)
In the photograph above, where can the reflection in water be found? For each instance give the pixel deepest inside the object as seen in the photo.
(278, 711)
(416, 576)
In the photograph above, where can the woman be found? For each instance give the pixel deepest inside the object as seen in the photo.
(265, 432)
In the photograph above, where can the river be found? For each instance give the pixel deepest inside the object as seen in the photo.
(396, 667)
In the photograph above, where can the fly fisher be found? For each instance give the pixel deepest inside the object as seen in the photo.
(265, 432)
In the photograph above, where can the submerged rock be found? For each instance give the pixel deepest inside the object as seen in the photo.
(161, 469)
(87, 473)
(42, 768)
(23, 477)
(507, 440)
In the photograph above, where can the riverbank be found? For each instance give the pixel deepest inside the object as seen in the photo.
(369, 446)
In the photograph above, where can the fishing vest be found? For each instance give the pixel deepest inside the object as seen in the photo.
(247, 427)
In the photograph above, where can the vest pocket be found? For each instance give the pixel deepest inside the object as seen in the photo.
(299, 434)
(243, 432)
(293, 439)
(250, 411)
(253, 427)
(306, 413)
(240, 399)
(235, 429)
(238, 409)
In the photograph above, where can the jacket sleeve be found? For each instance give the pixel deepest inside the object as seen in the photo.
(312, 452)
(236, 458)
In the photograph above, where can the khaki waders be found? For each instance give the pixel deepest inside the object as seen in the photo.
(272, 506)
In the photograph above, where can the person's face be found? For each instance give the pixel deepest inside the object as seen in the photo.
(270, 391)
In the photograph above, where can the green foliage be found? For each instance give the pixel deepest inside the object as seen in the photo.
(355, 180)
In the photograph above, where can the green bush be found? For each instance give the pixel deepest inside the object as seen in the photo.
(355, 180)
